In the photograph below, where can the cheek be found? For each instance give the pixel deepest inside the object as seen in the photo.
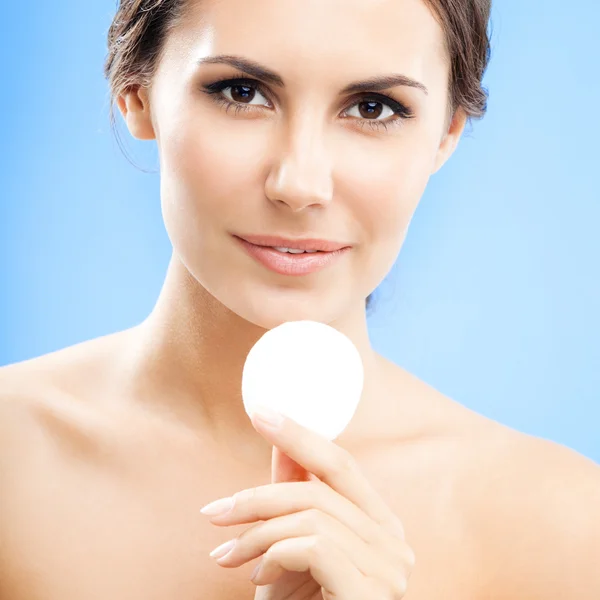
(211, 172)
(387, 188)
(208, 163)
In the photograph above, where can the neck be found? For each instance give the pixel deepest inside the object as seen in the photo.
(188, 356)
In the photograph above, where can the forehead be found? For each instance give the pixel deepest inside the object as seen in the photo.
(296, 37)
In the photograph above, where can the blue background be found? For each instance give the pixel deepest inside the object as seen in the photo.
(494, 299)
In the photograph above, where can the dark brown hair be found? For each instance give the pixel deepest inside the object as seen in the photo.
(137, 34)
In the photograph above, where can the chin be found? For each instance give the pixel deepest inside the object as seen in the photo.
(270, 307)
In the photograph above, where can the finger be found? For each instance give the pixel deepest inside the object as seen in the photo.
(267, 502)
(334, 466)
(369, 560)
(330, 567)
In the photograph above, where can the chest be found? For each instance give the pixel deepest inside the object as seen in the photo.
(128, 532)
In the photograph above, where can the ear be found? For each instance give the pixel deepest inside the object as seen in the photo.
(450, 139)
(134, 105)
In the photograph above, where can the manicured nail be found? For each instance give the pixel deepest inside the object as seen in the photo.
(223, 550)
(269, 417)
(218, 507)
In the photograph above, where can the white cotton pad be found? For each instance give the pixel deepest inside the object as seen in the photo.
(308, 371)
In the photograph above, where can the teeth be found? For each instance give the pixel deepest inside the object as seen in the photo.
(293, 250)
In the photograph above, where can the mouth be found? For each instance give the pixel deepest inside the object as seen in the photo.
(292, 257)
(295, 246)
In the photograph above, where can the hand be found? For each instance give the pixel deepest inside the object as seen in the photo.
(323, 530)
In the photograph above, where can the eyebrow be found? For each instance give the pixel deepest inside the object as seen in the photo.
(375, 84)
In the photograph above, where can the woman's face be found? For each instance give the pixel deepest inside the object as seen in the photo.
(296, 155)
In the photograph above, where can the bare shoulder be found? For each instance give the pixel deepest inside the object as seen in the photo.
(529, 507)
(31, 392)
(24, 387)
(48, 396)
(28, 399)
(539, 517)
(73, 370)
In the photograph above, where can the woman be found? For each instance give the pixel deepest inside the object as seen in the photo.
(281, 125)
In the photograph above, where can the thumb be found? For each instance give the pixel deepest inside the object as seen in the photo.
(284, 469)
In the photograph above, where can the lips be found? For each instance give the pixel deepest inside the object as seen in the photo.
(284, 263)
(294, 244)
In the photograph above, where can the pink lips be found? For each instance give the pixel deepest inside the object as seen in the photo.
(284, 263)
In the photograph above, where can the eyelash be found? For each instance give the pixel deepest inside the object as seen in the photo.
(401, 112)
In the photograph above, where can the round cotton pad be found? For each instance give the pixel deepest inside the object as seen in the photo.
(307, 371)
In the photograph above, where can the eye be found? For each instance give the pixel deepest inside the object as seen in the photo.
(243, 94)
(237, 92)
(371, 109)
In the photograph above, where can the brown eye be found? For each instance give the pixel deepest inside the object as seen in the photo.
(371, 109)
(242, 93)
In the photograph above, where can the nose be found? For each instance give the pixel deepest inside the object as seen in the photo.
(301, 175)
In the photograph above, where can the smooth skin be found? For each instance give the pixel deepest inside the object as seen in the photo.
(329, 532)
(110, 448)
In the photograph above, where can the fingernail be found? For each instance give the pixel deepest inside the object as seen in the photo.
(218, 507)
(223, 550)
(267, 416)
